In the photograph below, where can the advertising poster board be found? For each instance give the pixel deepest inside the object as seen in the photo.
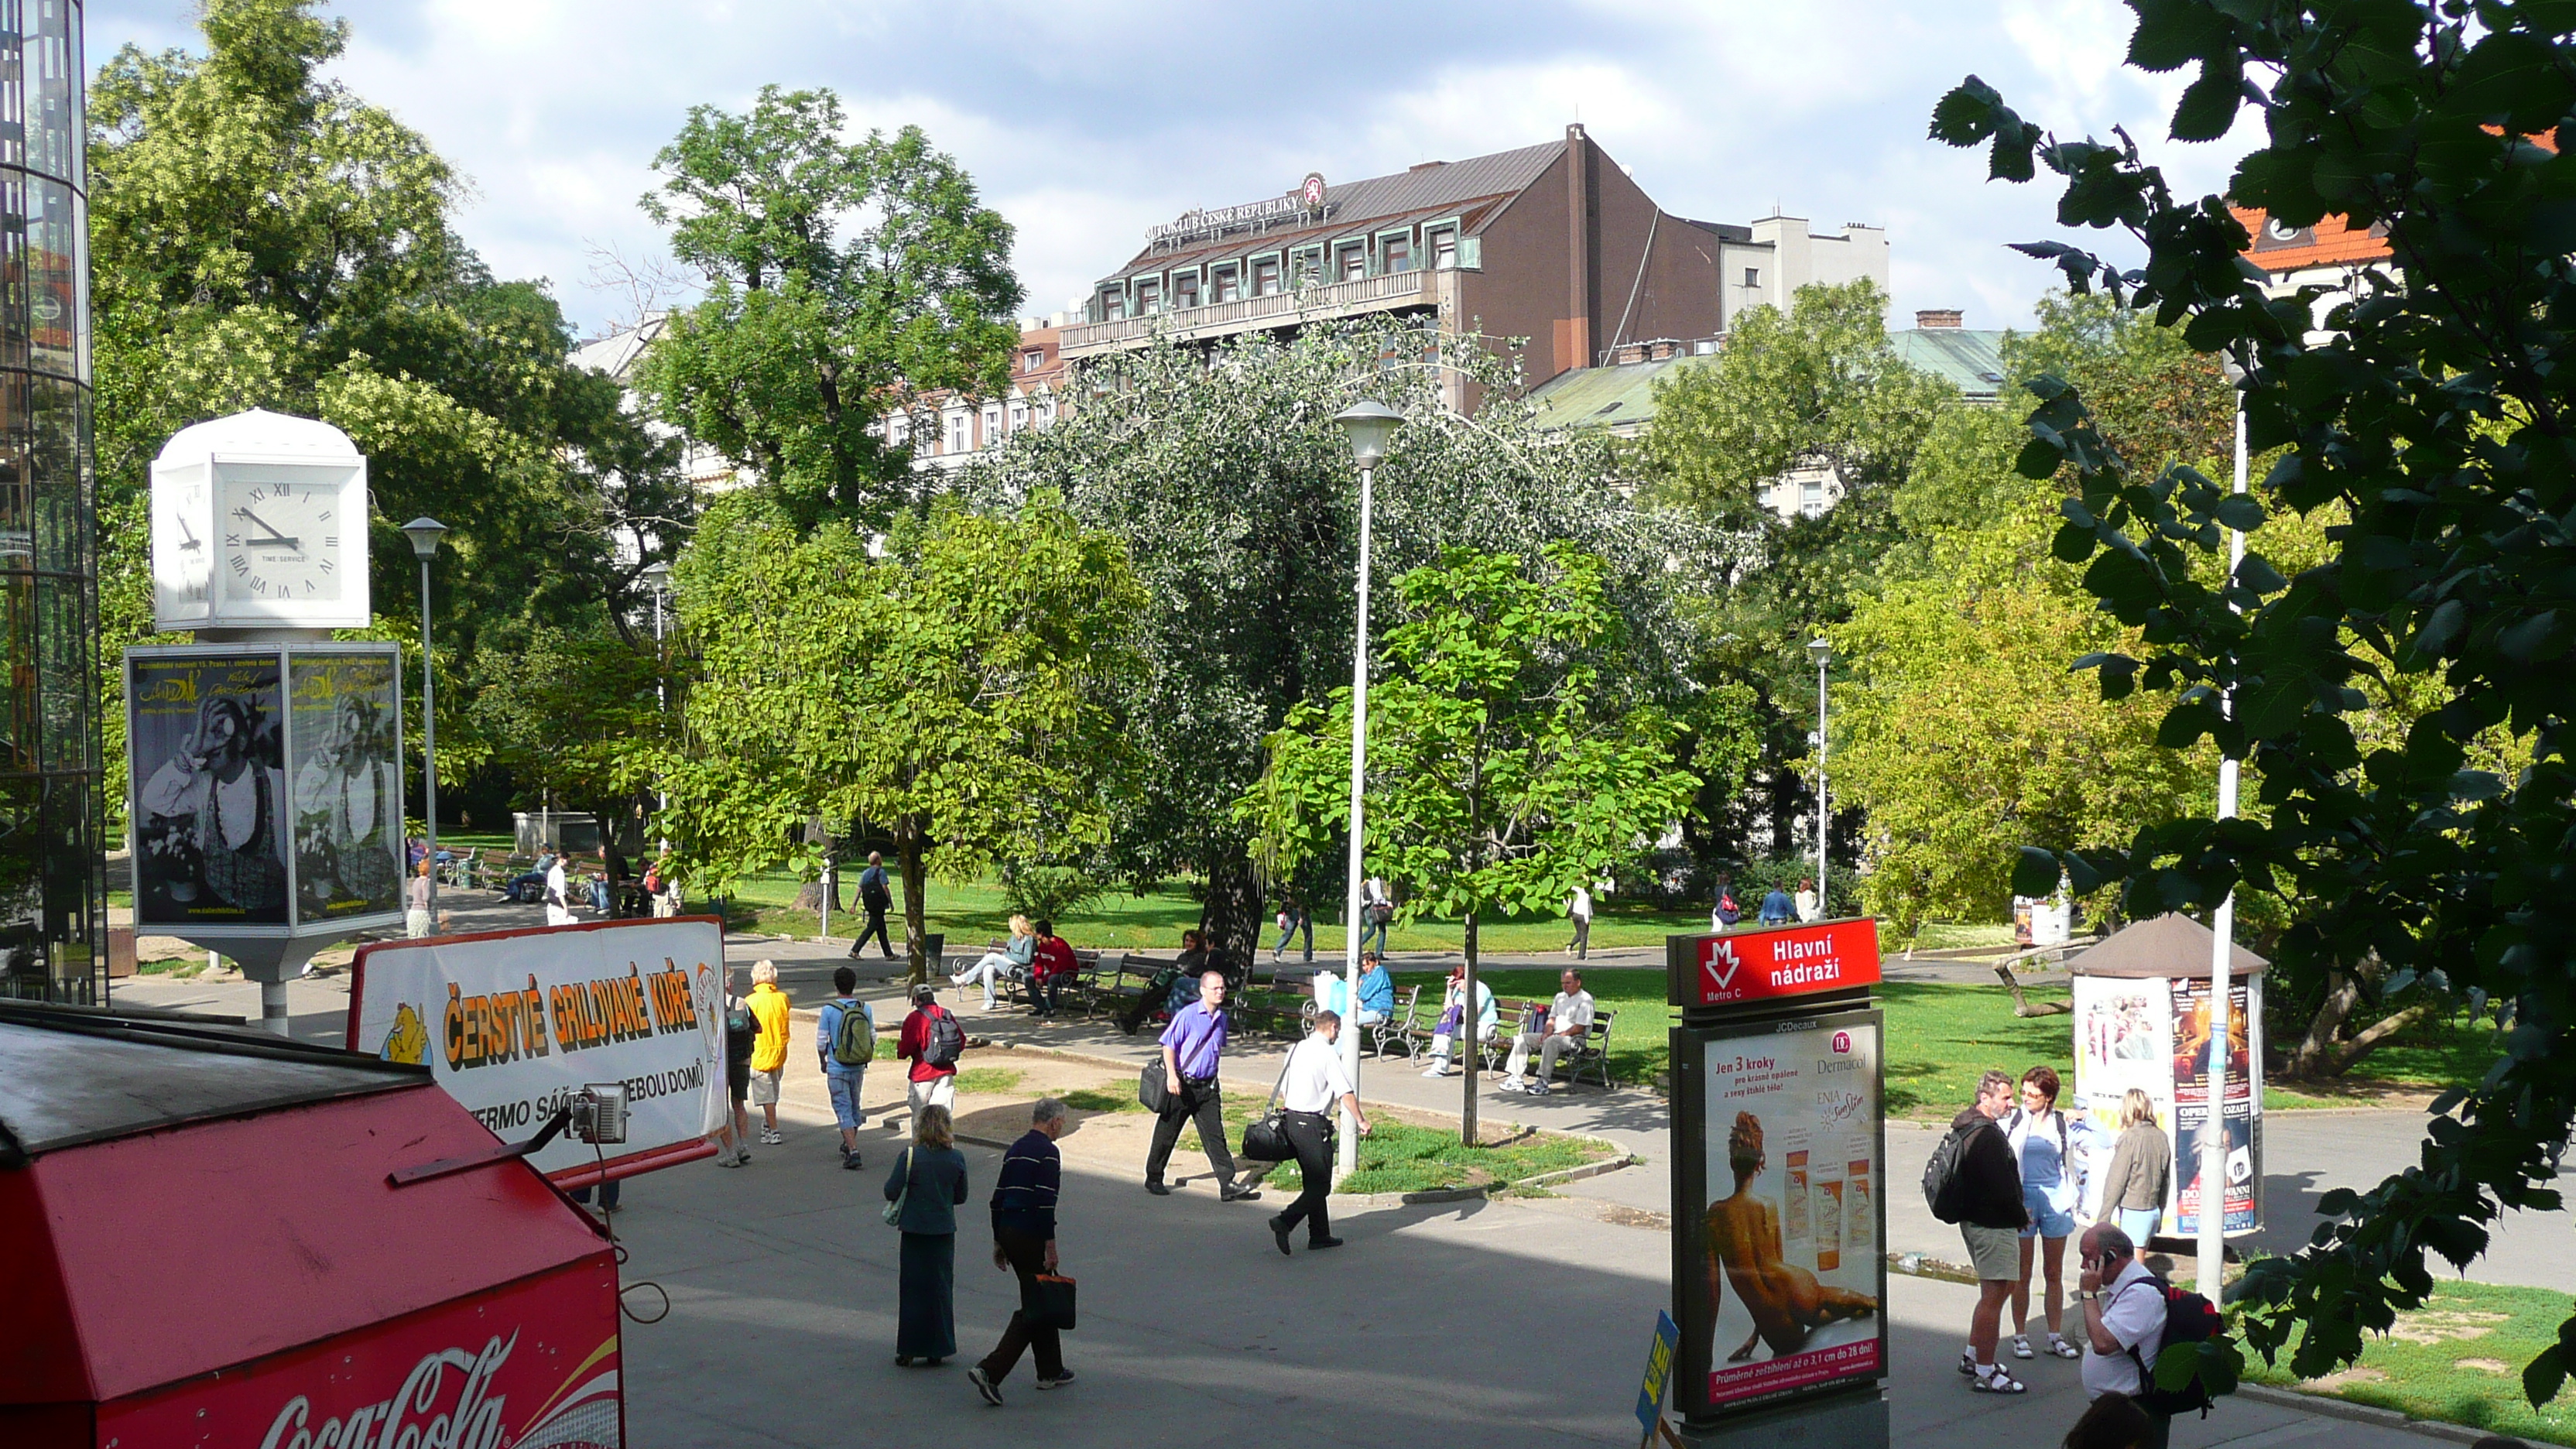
(2152, 1033)
(206, 751)
(344, 733)
(512, 1023)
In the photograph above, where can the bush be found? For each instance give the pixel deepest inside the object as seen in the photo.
(1046, 892)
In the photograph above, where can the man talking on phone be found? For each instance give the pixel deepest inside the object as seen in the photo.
(2124, 1321)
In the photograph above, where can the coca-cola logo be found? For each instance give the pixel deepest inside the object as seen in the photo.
(412, 1418)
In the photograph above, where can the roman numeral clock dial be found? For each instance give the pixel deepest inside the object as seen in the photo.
(282, 541)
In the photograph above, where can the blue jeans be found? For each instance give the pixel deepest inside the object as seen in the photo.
(1370, 924)
(845, 1096)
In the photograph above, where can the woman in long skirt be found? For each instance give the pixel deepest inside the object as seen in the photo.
(929, 1179)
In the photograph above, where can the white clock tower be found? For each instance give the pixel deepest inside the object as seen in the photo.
(259, 522)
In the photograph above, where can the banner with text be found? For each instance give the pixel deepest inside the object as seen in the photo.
(512, 1024)
(1773, 963)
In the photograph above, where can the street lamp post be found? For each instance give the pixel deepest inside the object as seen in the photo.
(2212, 1237)
(657, 577)
(1824, 653)
(1370, 424)
(424, 534)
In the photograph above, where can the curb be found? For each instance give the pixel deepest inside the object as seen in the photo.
(1495, 1189)
(2334, 1408)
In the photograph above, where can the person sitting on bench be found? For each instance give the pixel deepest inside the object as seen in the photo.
(1567, 1027)
(1157, 994)
(1011, 963)
(1453, 1012)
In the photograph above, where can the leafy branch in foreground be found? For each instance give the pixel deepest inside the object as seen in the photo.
(2430, 412)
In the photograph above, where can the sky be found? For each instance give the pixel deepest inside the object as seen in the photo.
(1086, 123)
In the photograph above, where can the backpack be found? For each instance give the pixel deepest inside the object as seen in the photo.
(740, 1028)
(854, 1036)
(873, 893)
(1727, 910)
(2190, 1321)
(2065, 1150)
(1941, 1174)
(947, 1039)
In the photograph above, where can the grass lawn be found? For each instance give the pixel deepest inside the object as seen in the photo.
(1401, 1157)
(2459, 1360)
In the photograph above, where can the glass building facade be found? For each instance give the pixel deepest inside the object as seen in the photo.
(53, 888)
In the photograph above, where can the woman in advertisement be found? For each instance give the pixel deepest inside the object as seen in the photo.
(211, 817)
(1786, 1301)
(348, 819)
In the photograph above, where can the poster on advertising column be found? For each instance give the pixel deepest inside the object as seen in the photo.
(206, 743)
(1792, 1268)
(345, 710)
(2151, 1034)
(514, 1022)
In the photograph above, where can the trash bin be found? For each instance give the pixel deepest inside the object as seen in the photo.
(934, 952)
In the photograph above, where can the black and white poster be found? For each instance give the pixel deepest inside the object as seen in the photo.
(207, 748)
(346, 752)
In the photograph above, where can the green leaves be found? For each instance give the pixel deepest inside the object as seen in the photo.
(1974, 111)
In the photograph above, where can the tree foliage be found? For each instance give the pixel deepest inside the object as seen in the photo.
(808, 334)
(1235, 493)
(1500, 772)
(961, 690)
(2429, 414)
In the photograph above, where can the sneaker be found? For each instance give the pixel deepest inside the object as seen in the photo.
(1059, 1381)
(984, 1386)
(724, 1159)
(850, 1162)
(1435, 1071)
(1537, 1089)
(1514, 1084)
(742, 1157)
(771, 1137)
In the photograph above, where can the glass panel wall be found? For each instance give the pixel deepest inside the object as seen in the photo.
(53, 890)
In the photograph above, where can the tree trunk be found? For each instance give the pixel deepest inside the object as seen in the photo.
(2342, 1058)
(2309, 1057)
(2024, 1008)
(916, 924)
(1467, 1035)
(1230, 917)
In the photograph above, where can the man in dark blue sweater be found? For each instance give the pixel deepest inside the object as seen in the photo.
(1024, 1195)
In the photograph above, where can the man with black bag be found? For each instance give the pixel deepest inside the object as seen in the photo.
(1193, 1046)
(876, 898)
(1310, 1086)
(1024, 1200)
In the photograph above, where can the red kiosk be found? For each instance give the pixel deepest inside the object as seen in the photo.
(208, 1246)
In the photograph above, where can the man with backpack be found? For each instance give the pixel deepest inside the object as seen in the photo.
(846, 1040)
(2126, 1309)
(1973, 1181)
(932, 1040)
(741, 1030)
(876, 898)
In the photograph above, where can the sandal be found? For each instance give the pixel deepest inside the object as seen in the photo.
(1967, 1364)
(1997, 1382)
(2021, 1345)
(2058, 1346)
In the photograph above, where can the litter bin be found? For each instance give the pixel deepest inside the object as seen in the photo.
(934, 955)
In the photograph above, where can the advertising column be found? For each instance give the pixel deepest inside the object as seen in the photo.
(1780, 1184)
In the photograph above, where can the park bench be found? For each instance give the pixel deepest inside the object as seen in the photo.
(1511, 1016)
(1274, 1010)
(1399, 1029)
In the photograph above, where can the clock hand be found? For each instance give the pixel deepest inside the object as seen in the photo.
(273, 535)
(188, 538)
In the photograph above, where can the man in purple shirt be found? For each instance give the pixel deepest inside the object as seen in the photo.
(1192, 1045)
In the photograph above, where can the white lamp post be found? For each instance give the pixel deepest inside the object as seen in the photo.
(1370, 423)
(2212, 1236)
(1824, 653)
(424, 534)
(657, 577)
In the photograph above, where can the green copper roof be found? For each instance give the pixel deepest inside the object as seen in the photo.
(1622, 399)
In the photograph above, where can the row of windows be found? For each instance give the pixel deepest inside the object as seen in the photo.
(957, 435)
(1349, 259)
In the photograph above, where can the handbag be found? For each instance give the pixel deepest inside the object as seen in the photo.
(1265, 1138)
(1153, 1092)
(1050, 1302)
(894, 1209)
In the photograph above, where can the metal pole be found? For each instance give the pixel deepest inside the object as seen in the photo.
(1824, 810)
(2213, 1126)
(1348, 1157)
(661, 711)
(429, 743)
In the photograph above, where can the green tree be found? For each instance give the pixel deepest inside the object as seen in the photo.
(1819, 386)
(2429, 417)
(260, 236)
(1501, 772)
(1234, 490)
(575, 714)
(807, 337)
(960, 690)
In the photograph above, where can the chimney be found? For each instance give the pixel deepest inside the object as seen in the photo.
(1939, 317)
(1574, 329)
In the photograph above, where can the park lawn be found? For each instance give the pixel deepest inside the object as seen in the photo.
(2457, 1360)
(1403, 1157)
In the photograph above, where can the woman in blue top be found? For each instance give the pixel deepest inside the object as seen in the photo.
(929, 1179)
(1011, 963)
(2051, 1161)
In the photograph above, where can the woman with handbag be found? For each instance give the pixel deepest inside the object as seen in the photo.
(922, 1194)
(1311, 1084)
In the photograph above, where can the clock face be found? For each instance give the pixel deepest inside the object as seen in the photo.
(281, 541)
(186, 547)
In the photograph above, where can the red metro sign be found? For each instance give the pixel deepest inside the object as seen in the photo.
(1783, 961)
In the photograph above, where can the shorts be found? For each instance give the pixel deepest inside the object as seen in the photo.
(1994, 1253)
(2045, 1221)
(845, 1098)
(764, 1087)
(738, 1080)
(939, 1091)
(2140, 1224)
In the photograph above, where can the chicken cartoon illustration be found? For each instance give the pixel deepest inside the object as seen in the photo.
(408, 1042)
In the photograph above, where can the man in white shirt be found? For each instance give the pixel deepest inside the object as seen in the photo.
(2124, 1320)
(1810, 908)
(1310, 1086)
(1569, 1022)
(1578, 911)
(558, 895)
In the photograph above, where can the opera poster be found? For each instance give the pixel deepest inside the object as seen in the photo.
(206, 748)
(347, 746)
(1792, 1257)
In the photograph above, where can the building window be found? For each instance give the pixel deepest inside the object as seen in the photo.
(1395, 254)
(1227, 287)
(992, 424)
(1033, 359)
(1149, 298)
(1265, 277)
(1753, 276)
(1307, 269)
(899, 433)
(1185, 289)
(1444, 248)
(1811, 498)
(957, 431)
(1113, 305)
(1019, 416)
(1350, 261)
(1046, 413)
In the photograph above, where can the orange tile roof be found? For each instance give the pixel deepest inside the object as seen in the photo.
(2330, 243)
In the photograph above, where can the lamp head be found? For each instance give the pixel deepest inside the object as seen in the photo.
(1822, 649)
(1370, 424)
(424, 534)
(657, 576)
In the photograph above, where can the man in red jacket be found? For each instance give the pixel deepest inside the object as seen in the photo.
(931, 1082)
(1049, 969)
